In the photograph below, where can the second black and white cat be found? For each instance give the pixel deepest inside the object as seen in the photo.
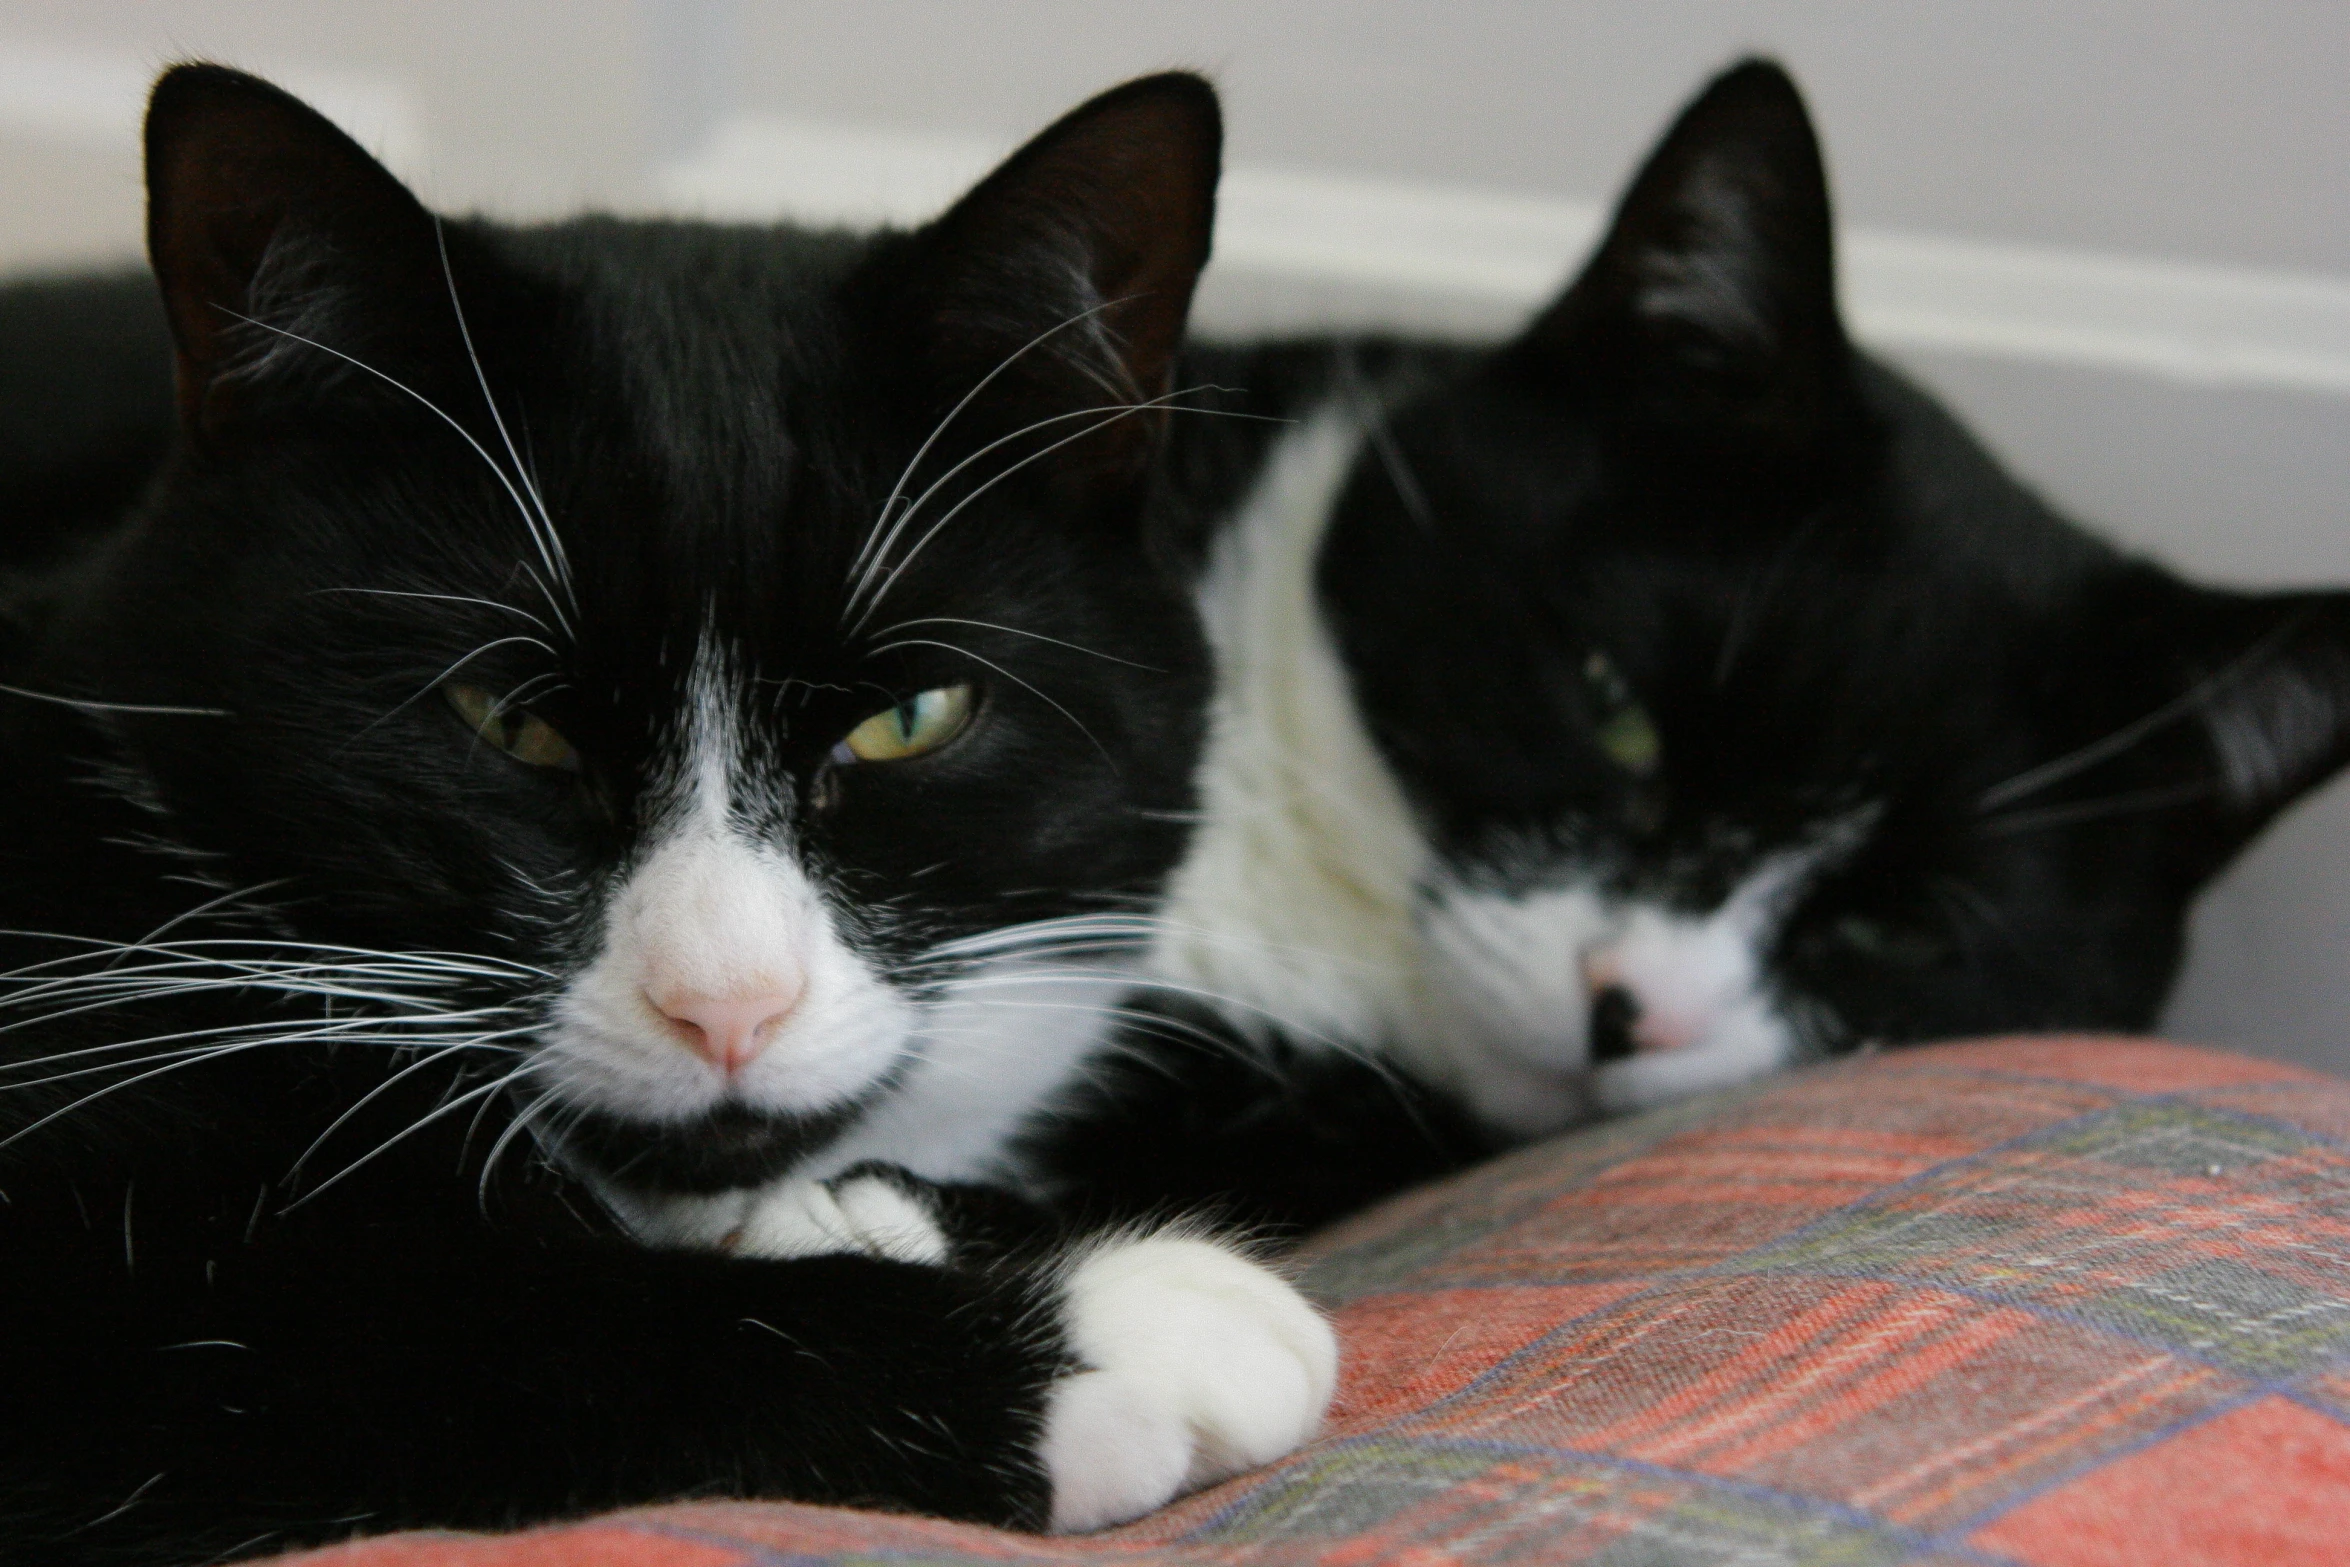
(1668, 696)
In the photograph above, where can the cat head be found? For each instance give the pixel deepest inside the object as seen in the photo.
(731, 633)
(1751, 710)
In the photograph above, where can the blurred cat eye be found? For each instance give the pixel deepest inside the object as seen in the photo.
(1622, 729)
(1883, 942)
(922, 723)
(514, 730)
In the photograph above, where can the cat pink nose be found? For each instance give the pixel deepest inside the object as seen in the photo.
(727, 1031)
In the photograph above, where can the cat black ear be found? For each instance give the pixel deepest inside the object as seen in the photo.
(2270, 682)
(2229, 705)
(254, 199)
(1710, 306)
(1078, 255)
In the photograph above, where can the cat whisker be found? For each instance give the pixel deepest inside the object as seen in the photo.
(1015, 631)
(529, 523)
(432, 685)
(240, 1035)
(897, 490)
(298, 1030)
(913, 508)
(87, 705)
(1116, 412)
(217, 1052)
(2136, 802)
(376, 983)
(432, 1056)
(1371, 413)
(550, 542)
(1108, 933)
(1008, 675)
(2034, 779)
(447, 598)
(1955, 895)
(472, 963)
(514, 1129)
(397, 1138)
(1217, 1000)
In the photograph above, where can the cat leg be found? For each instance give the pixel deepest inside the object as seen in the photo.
(1196, 1364)
(876, 1210)
(1191, 1361)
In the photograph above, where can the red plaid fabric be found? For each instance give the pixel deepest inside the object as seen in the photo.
(2072, 1302)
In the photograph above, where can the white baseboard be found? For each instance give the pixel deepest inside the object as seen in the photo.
(2186, 321)
(1495, 252)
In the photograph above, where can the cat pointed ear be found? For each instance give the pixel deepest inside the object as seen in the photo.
(2232, 705)
(253, 196)
(1711, 303)
(2272, 689)
(1068, 272)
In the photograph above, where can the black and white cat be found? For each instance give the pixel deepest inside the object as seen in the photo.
(677, 696)
(1667, 696)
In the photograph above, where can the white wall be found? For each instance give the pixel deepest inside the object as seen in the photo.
(2116, 236)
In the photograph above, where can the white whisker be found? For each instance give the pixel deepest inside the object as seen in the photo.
(1007, 674)
(529, 523)
(940, 429)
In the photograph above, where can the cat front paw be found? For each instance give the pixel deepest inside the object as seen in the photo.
(873, 1210)
(1197, 1364)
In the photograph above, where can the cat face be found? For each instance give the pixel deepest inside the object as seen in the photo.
(743, 634)
(1750, 711)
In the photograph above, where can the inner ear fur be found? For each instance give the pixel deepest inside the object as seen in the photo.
(1709, 309)
(2241, 700)
(255, 203)
(1078, 255)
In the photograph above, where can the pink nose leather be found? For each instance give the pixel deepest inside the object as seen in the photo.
(727, 1031)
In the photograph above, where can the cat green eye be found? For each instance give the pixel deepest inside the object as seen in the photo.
(922, 723)
(519, 733)
(1624, 732)
(1883, 943)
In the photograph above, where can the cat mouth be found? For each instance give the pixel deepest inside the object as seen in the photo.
(728, 1146)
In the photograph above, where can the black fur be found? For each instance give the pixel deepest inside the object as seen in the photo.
(1833, 606)
(226, 756)
(1828, 597)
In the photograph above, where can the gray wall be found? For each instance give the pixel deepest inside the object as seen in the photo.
(2197, 145)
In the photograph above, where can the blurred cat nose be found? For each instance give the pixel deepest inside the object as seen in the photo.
(1614, 1013)
(727, 1031)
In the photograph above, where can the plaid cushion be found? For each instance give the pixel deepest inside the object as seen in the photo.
(2064, 1301)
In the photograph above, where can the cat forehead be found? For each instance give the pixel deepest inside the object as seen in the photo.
(714, 347)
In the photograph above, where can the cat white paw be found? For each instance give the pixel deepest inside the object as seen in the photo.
(864, 1213)
(1199, 1364)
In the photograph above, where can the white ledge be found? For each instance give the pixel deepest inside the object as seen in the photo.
(2182, 320)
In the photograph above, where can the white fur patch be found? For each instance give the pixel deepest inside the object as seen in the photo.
(1294, 903)
(1508, 982)
(1501, 1003)
(866, 1215)
(1200, 1364)
(996, 1045)
(713, 911)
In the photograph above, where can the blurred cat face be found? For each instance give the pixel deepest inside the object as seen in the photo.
(1750, 712)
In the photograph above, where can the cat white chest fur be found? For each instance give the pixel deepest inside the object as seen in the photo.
(1293, 906)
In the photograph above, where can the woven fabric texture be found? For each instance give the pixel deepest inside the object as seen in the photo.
(2067, 1301)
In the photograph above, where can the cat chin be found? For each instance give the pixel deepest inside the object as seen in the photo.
(729, 1147)
(1748, 1042)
